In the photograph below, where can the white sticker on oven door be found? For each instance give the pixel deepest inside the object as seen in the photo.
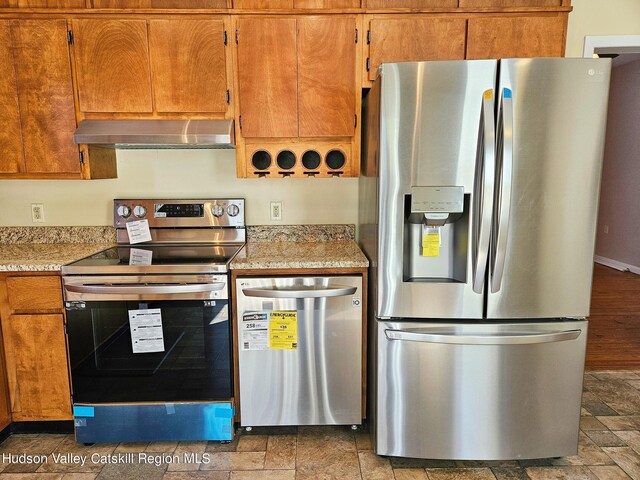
(146, 330)
(138, 231)
(254, 331)
(139, 256)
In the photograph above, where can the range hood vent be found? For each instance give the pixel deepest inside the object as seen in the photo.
(135, 134)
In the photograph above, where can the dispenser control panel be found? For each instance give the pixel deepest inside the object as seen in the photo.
(437, 199)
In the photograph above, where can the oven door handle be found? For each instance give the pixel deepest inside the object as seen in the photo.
(329, 291)
(145, 289)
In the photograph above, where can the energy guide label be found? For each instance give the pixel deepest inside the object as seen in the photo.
(254, 331)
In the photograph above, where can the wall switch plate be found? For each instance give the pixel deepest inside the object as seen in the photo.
(37, 213)
(275, 213)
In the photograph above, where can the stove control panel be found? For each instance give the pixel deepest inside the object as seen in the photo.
(180, 213)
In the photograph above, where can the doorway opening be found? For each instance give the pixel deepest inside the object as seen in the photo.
(614, 327)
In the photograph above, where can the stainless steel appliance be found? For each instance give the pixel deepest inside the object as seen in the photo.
(314, 377)
(477, 211)
(148, 324)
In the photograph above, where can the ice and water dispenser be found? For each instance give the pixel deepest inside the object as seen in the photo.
(436, 234)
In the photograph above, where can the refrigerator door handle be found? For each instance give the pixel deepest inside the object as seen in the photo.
(298, 292)
(485, 177)
(524, 338)
(502, 202)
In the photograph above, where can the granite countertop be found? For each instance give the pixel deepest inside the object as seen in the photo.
(279, 255)
(40, 257)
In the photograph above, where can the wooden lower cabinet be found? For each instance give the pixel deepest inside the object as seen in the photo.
(37, 367)
(35, 350)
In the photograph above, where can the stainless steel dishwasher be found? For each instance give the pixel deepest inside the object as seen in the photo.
(300, 350)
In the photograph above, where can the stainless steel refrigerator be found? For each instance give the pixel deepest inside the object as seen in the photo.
(478, 202)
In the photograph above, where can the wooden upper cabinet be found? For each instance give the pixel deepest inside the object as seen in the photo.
(43, 3)
(45, 95)
(326, 3)
(159, 3)
(188, 65)
(12, 157)
(326, 76)
(411, 3)
(516, 36)
(267, 77)
(260, 4)
(112, 64)
(509, 3)
(413, 39)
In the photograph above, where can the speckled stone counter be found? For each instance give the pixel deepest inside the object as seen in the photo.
(39, 249)
(41, 257)
(300, 233)
(297, 255)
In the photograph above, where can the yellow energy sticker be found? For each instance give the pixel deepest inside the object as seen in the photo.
(283, 330)
(431, 244)
(488, 94)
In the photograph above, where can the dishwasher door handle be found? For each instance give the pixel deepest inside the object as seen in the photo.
(511, 339)
(146, 289)
(297, 292)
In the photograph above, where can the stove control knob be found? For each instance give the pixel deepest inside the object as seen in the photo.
(233, 210)
(124, 211)
(217, 210)
(139, 211)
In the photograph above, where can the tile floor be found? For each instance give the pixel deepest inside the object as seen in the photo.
(609, 450)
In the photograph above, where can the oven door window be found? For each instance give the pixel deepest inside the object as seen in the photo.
(194, 365)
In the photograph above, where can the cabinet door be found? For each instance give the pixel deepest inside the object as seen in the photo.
(516, 37)
(267, 77)
(262, 4)
(326, 3)
(415, 39)
(411, 3)
(326, 76)
(45, 94)
(12, 158)
(188, 65)
(37, 367)
(509, 3)
(112, 62)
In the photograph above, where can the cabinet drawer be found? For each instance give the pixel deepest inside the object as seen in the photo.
(34, 293)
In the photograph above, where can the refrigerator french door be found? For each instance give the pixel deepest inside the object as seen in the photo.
(485, 180)
(300, 350)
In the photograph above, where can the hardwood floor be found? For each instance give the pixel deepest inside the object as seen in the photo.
(614, 324)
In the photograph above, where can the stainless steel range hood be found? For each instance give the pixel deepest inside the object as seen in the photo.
(157, 133)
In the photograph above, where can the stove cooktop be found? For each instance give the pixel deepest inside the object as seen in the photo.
(148, 258)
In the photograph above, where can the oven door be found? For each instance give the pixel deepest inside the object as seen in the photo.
(148, 339)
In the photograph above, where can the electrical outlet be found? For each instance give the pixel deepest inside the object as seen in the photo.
(606, 229)
(276, 211)
(37, 213)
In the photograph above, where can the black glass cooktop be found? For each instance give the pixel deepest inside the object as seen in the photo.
(156, 258)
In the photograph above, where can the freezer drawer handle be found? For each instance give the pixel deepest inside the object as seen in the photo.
(143, 289)
(312, 292)
(515, 339)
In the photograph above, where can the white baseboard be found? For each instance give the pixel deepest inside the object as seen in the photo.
(625, 267)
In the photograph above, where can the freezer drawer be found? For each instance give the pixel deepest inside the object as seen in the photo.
(316, 378)
(479, 391)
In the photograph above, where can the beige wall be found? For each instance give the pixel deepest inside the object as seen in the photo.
(601, 17)
(620, 195)
(178, 174)
(212, 173)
